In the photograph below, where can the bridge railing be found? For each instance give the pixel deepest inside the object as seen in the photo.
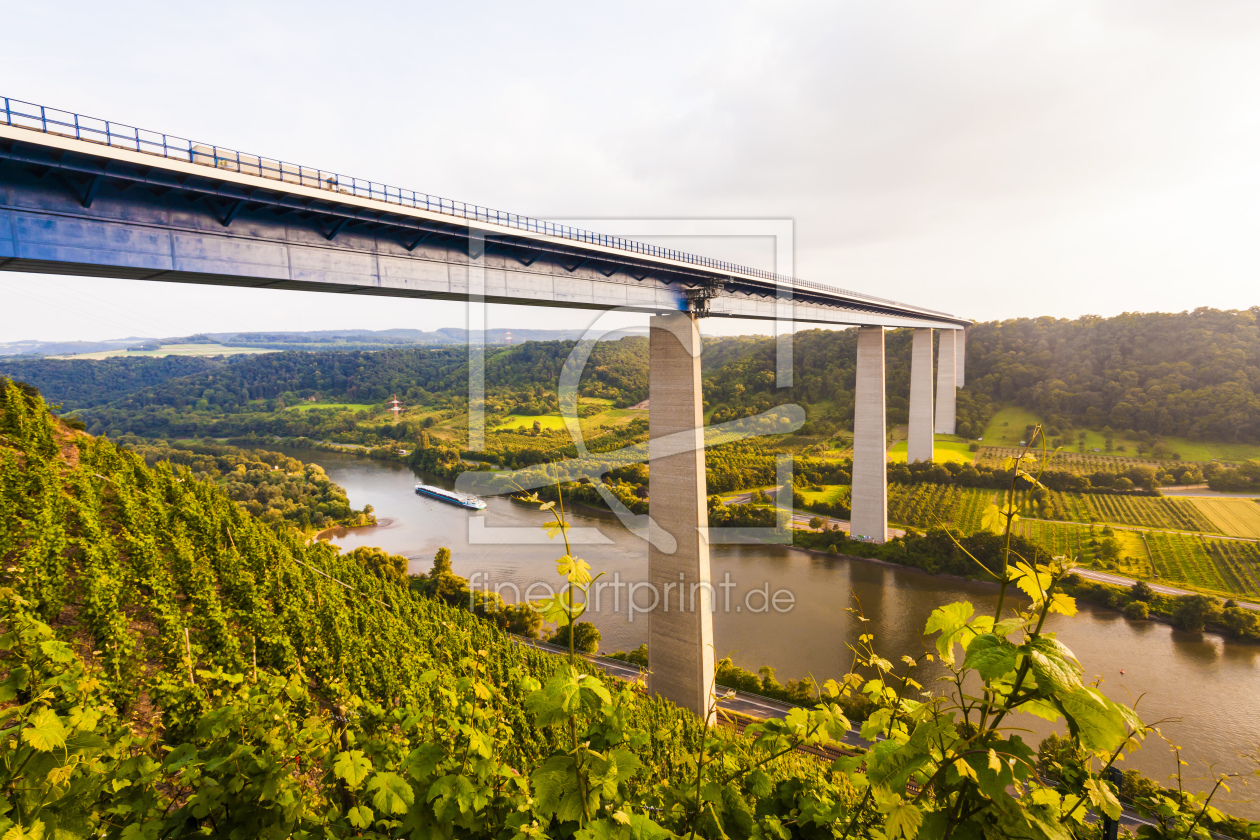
(118, 135)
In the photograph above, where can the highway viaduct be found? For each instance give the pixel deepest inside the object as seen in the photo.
(83, 196)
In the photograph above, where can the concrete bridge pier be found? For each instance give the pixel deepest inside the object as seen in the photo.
(962, 356)
(869, 502)
(920, 445)
(680, 628)
(947, 383)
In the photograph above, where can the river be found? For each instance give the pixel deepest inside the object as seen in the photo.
(1207, 691)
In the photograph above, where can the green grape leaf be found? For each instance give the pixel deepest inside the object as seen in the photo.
(1103, 798)
(556, 789)
(360, 816)
(57, 651)
(352, 767)
(576, 570)
(555, 529)
(991, 656)
(1007, 626)
(1101, 725)
(624, 826)
(390, 793)
(423, 761)
(1054, 674)
(951, 621)
(34, 832)
(552, 609)
(45, 731)
(902, 819)
(1063, 604)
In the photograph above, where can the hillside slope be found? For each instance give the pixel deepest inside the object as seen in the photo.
(173, 666)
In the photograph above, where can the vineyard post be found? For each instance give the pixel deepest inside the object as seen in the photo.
(188, 657)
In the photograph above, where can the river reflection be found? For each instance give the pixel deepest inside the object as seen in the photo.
(1207, 690)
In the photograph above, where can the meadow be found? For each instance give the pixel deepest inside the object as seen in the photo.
(1006, 429)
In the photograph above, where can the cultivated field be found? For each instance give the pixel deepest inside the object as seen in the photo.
(927, 505)
(1075, 543)
(1073, 462)
(1236, 517)
(1226, 566)
(943, 450)
(1138, 511)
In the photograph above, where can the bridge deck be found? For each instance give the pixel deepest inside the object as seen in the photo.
(85, 196)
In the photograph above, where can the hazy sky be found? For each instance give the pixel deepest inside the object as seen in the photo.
(992, 159)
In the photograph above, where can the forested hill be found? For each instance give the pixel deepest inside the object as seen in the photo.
(617, 370)
(1195, 374)
(83, 383)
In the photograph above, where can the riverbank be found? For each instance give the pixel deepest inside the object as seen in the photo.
(1232, 621)
(338, 531)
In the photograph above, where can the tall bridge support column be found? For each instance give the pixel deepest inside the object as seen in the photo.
(869, 503)
(947, 383)
(920, 445)
(962, 357)
(680, 628)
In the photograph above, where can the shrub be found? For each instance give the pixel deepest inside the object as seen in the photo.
(586, 636)
(638, 656)
(1194, 612)
(1137, 610)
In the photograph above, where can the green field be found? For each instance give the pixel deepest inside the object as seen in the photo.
(317, 406)
(170, 350)
(1007, 426)
(829, 494)
(550, 422)
(946, 448)
(1007, 429)
(1197, 450)
(1236, 517)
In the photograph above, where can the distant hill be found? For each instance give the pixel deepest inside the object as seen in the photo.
(382, 339)
(83, 384)
(312, 340)
(1191, 374)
